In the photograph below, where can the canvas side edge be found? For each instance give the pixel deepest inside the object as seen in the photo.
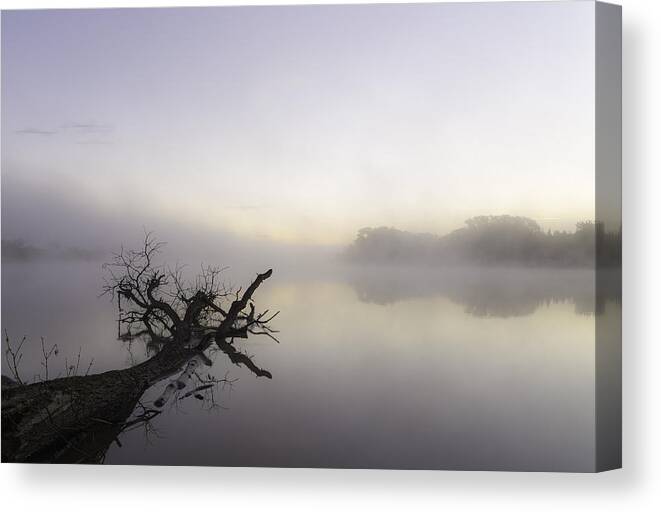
(608, 217)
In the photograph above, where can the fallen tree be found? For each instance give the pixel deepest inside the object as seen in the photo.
(74, 419)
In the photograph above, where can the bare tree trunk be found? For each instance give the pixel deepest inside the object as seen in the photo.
(75, 419)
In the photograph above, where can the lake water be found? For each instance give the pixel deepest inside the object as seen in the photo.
(454, 369)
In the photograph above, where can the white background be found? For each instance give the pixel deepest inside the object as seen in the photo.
(636, 487)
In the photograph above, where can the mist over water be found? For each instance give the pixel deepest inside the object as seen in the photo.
(394, 363)
(467, 368)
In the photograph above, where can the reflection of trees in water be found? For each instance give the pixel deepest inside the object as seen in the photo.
(490, 292)
(75, 419)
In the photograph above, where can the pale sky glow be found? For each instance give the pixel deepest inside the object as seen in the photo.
(304, 124)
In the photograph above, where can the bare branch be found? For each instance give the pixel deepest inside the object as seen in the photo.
(46, 354)
(14, 356)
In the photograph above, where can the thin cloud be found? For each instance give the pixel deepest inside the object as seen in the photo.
(77, 129)
(36, 131)
(94, 128)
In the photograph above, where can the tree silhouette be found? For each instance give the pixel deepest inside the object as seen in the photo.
(75, 418)
(491, 240)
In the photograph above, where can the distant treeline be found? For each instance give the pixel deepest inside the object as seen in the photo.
(20, 251)
(491, 240)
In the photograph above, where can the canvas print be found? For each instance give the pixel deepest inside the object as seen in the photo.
(359, 236)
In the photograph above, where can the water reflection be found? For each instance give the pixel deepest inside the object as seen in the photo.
(490, 292)
(367, 359)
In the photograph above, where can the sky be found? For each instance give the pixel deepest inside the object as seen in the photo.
(298, 125)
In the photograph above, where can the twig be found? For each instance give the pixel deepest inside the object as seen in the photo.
(14, 357)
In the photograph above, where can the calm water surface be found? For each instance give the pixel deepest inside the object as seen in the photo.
(469, 369)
